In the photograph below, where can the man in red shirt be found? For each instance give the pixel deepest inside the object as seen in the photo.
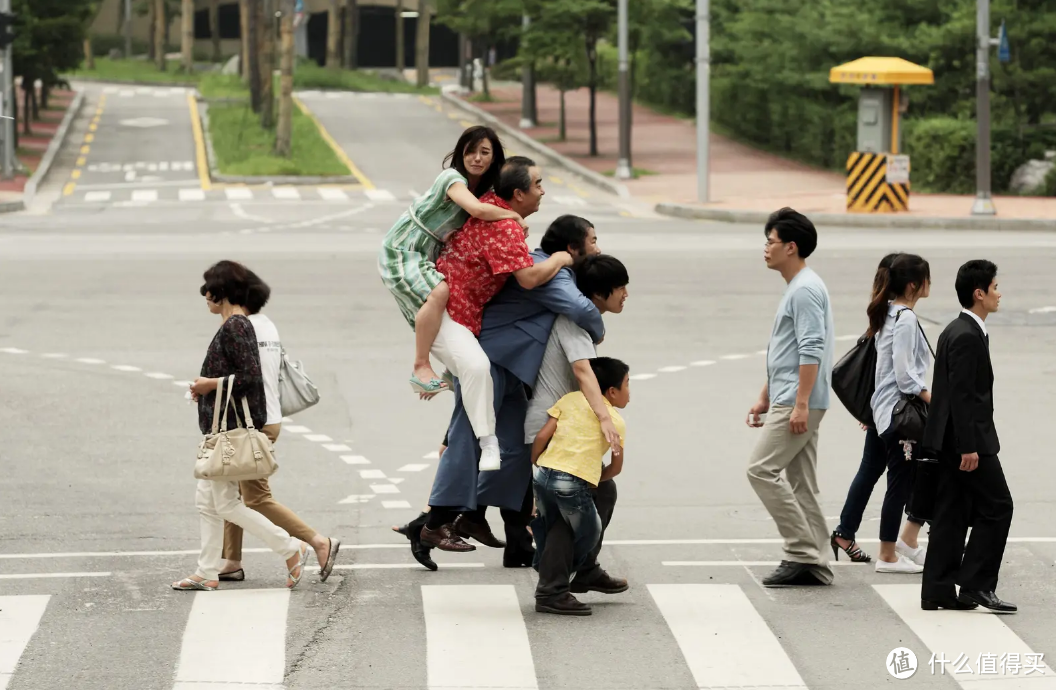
(476, 263)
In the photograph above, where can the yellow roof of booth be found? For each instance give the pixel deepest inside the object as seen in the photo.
(881, 70)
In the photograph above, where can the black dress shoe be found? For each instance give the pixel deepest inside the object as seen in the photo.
(951, 604)
(604, 583)
(790, 573)
(466, 528)
(518, 558)
(564, 605)
(985, 599)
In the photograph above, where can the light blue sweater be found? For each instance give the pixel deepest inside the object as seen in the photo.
(803, 334)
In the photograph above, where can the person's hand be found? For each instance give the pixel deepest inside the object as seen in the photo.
(201, 386)
(612, 437)
(800, 416)
(564, 257)
(969, 461)
(760, 407)
(864, 427)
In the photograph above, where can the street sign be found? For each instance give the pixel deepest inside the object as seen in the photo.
(1004, 52)
(897, 169)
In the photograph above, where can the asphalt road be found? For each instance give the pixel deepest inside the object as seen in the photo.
(102, 322)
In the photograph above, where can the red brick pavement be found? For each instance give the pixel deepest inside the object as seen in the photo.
(31, 148)
(741, 177)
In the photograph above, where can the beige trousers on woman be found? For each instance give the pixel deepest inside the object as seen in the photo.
(256, 495)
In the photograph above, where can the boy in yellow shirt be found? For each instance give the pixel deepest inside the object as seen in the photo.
(568, 454)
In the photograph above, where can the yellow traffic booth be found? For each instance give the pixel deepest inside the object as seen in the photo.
(877, 171)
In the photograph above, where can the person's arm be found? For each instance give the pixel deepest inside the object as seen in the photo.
(963, 356)
(542, 272)
(588, 385)
(561, 296)
(905, 339)
(808, 319)
(460, 194)
(542, 439)
(614, 467)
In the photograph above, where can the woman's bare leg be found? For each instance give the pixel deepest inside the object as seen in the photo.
(426, 328)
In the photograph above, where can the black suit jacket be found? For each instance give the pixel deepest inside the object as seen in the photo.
(961, 414)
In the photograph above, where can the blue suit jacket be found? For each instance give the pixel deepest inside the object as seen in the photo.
(517, 322)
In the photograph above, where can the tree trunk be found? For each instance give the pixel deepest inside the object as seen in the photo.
(159, 34)
(333, 35)
(401, 63)
(27, 127)
(187, 40)
(254, 55)
(214, 28)
(33, 102)
(267, 65)
(592, 58)
(243, 63)
(485, 86)
(352, 33)
(45, 91)
(152, 50)
(561, 123)
(421, 44)
(285, 125)
(89, 55)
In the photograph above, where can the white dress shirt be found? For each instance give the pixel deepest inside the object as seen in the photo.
(979, 321)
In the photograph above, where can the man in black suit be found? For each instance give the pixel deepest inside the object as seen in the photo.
(960, 433)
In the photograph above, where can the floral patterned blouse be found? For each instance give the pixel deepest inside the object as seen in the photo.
(234, 350)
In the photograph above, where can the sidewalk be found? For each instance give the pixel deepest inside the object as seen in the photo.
(744, 182)
(32, 148)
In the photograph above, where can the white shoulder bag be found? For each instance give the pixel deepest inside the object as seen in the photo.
(296, 390)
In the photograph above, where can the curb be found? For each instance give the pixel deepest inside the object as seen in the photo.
(855, 220)
(119, 82)
(594, 178)
(56, 143)
(12, 206)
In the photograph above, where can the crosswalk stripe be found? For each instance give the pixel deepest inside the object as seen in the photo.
(331, 194)
(192, 195)
(286, 193)
(971, 633)
(97, 196)
(476, 638)
(19, 618)
(238, 193)
(235, 639)
(379, 195)
(724, 640)
(145, 195)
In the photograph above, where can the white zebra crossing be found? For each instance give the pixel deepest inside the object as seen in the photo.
(19, 619)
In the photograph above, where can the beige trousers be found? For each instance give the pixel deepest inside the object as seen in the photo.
(459, 350)
(792, 498)
(256, 495)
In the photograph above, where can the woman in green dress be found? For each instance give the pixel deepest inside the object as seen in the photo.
(407, 261)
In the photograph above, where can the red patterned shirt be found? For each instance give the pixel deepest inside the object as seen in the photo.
(477, 261)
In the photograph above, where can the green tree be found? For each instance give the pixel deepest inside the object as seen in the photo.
(559, 60)
(484, 23)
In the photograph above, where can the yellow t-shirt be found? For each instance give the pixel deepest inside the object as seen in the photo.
(578, 445)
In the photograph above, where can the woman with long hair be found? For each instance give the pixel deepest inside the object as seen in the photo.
(902, 360)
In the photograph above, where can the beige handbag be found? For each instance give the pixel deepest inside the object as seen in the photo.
(237, 455)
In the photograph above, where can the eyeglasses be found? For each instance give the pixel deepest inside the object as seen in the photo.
(770, 243)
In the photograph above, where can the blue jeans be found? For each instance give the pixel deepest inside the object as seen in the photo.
(562, 496)
(880, 453)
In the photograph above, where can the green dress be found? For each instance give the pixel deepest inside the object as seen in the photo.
(407, 261)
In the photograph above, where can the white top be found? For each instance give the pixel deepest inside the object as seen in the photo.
(902, 361)
(567, 345)
(270, 360)
(982, 324)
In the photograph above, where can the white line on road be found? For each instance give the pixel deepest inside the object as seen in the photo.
(145, 195)
(355, 460)
(192, 195)
(336, 447)
(725, 642)
(435, 455)
(395, 504)
(97, 196)
(19, 619)
(39, 576)
(476, 638)
(298, 429)
(331, 194)
(384, 489)
(733, 357)
(702, 363)
(356, 498)
(159, 376)
(670, 370)
(371, 474)
(643, 377)
(379, 195)
(413, 467)
(89, 360)
(55, 355)
(238, 193)
(13, 351)
(395, 566)
(125, 367)
(289, 193)
(318, 438)
(235, 637)
(735, 564)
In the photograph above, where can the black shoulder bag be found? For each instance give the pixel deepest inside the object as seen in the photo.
(854, 380)
(910, 414)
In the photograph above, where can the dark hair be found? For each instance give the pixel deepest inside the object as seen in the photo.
(514, 176)
(881, 274)
(567, 230)
(906, 269)
(793, 226)
(228, 280)
(609, 372)
(470, 140)
(972, 276)
(600, 274)
(259, 293)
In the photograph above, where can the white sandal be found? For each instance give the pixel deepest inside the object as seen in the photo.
(300, 564)
(188, 584)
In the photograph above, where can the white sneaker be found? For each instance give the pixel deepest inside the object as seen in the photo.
(902, 565)
(916, 555)
(489, 454)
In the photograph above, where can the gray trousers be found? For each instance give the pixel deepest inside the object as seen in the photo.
(783, 472)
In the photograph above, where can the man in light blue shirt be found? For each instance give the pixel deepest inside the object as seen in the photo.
(799, 369)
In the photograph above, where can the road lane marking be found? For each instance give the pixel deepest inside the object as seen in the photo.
(192, 195)
(97, 196)
(734, 564)
(286, 193)
(643, 377)
(238, 193)
(145, 195)
(330, 194)
(379, 195)
(41, 576)
(318, 438)
(702, 363)
(476, 638)
(724, 640)
(19, 619)
(670, 370)
(68, 189)
(199, 144)
(395, 566)
(234, 637)
(125, 367)
(414, 467)
(371, 474)
(336, 447)
(355, 460)
(338, 151)
(384, 489)
(402, 505)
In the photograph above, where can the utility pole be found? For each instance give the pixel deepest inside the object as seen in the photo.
(623, 165)
(128, 29)
(984, 204)
(7, 122)
(703, 85)
(401, 62)
(528, 112)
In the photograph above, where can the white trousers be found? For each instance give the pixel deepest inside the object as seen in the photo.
(219, 501)
(459, 350)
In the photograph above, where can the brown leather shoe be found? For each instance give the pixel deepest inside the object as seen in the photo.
(444, 539)
(477, 530)
(605, 583)
(564, 605)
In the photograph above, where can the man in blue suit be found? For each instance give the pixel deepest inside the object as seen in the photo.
(514, 334)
